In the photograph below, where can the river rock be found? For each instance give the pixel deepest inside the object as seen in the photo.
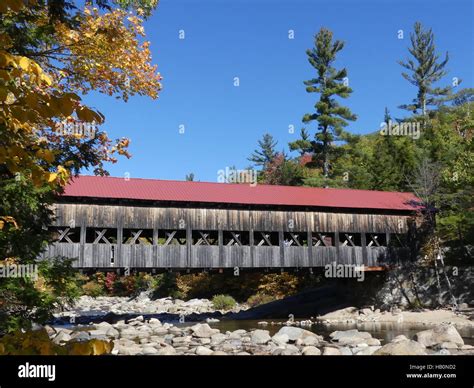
(237, 334)
(330, 351)
(167, 351)
(203, 330)
(347, 313)
(80, 336)
(447, 345)
(295, 333)
(408, 348)
(181, 340)
(399, 338)
(160, 331)
(99, 333)
(311, 351)
(438, 335)
(50, 330)
(260, 337)
(149, 350)
(136, 321)
(129, 350)
(203, 351)
(346, 351)
(281, 339)
(354, 333)
(218, 353)
(61, 337)
(373, 342)
(366, 351)
(290, 350)
(310, 341)
(218, 338)
(175, 331)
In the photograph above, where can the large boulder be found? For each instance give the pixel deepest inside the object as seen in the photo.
(438, 335)
(354, 333)
(401, 348)
(203, 330)
(347, 313)
(295, 333)
(351, 337)
(260, 337)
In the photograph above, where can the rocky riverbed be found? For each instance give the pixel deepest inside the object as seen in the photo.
(142, 304)
(138, 336)
(459, 319)
(165, 326)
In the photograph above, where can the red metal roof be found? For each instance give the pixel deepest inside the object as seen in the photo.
(185, 191)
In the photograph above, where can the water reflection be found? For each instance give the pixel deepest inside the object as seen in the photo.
(385, 331)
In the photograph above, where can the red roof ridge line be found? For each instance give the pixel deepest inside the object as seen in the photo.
(240, 184)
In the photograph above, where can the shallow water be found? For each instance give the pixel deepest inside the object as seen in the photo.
(383, 331)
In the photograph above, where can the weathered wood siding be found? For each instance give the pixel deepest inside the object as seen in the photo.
(186, 220)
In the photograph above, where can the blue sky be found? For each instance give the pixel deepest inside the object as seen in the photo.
(249, 40)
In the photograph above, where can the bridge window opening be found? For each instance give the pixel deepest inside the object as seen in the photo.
(322, 239)
(350, 239)
(65, 234)
(398, 240)
(138, 236)
(171, 237)
(295, 239)
(205, 237)
(236, 238)
(268, 239)
(375, 240)
(101, 236)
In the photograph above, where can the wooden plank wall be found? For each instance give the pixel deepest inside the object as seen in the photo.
(219, 256)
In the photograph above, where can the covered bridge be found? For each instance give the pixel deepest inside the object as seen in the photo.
(108, 222)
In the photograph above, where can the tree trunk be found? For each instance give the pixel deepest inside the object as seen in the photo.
(325, 155)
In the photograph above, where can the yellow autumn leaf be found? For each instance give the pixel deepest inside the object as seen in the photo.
(47, 79)
(52, 177)
(24, 63)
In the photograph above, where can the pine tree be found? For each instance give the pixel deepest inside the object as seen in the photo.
(265, 153)
(303, 145)
(329, 83)
(425, 71)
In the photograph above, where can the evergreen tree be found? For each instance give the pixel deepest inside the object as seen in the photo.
(265, 153)
(303, 145)
(329, 83)
(425, 70)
